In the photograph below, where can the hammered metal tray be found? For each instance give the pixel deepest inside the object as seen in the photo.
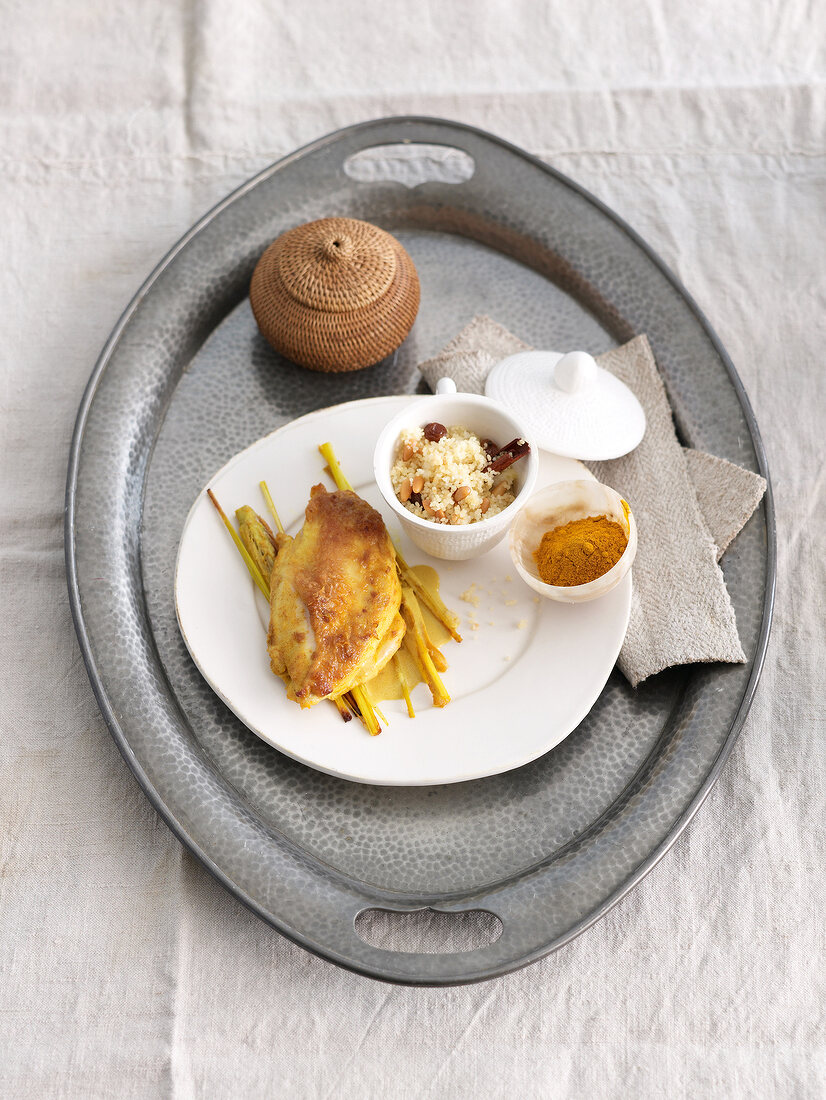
(185, 381)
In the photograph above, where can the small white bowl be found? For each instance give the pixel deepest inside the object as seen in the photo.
(489, 421)
(561, 503)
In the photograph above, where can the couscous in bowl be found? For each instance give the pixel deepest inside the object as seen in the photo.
(447, 479)
(461, 532)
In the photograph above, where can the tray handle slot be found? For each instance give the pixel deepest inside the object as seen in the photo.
(410, 163)
(428, 931)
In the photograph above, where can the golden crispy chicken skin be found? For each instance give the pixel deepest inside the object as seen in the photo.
(334, 599)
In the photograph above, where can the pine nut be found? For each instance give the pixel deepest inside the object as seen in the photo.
(405, 491)
(499, 489)
(418, 483)
(461, 493)
(408, 452)
(485, 505)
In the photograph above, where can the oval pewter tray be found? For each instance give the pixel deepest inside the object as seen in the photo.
(185, 382)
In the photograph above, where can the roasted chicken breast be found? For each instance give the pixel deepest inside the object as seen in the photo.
(334, 599)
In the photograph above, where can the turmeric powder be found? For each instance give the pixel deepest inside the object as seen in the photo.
(580, 551)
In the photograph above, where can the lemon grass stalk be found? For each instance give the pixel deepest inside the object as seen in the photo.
(279, 525)
(405, 686)
(255, 572)
(336, 472)
(432, 602)
(342, 708)
(412, 614)
(365, 707)
(258, 539)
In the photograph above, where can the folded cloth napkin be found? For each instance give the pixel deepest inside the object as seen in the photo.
(688, 506)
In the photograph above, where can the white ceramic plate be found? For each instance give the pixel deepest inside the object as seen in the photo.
(520, 682)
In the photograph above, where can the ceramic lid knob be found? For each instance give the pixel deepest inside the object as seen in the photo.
(575, 371)
(445, 385)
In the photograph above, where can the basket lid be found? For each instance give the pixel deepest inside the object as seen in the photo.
(337, 264)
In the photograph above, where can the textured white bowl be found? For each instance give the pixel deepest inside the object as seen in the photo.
(558, 504)
(485, 418)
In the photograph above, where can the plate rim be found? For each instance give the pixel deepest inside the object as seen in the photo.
(237, 458)
(469, 974)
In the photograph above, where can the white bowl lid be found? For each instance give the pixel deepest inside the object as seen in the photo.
(568, 404)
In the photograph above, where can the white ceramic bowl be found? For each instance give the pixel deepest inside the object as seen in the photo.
(561, 503)
(488, 421)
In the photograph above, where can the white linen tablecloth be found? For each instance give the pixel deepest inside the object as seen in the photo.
(125, 970)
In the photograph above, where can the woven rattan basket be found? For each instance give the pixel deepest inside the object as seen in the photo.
(335, 294)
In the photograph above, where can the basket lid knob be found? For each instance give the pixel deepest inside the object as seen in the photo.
(337, 264)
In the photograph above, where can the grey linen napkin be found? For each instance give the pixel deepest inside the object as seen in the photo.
(688, 506)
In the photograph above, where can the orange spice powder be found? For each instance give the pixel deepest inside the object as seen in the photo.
(580, 551)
